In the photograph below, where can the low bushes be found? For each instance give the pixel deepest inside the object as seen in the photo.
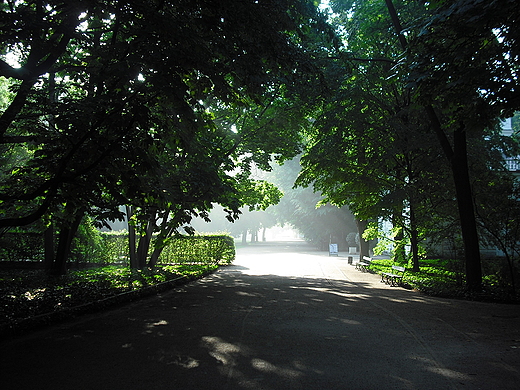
(218, 249)
(105, 248)
(29, 293)
(21, 247)
(445, 278)
(200, 249)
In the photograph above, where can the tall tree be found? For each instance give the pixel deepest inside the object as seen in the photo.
(370, 148)
(459, 61)
(131, 83)
(299, 208)
(468, 80)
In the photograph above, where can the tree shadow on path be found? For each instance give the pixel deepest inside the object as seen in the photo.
(290, 318)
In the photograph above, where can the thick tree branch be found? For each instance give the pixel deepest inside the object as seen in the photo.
(32, 217)
(387, 60)
(9, 72)
(34, 68)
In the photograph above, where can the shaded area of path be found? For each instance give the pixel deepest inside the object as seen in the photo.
(282, 317)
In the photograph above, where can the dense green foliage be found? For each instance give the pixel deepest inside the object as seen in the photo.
(104, 248)
(410, 134)
(27, 292)
(200, 249)
(168, 108)
(298, 208)
(162, 106)
(446, 278)
(21, 247)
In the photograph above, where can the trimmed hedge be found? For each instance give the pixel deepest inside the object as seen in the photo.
(112, 248)
(218, 249)
(26, 247)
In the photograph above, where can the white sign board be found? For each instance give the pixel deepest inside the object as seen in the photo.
(333, 249)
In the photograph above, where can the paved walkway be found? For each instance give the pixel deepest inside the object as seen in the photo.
(283, 317)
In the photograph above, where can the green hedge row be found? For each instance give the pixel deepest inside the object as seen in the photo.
(219, 249)
(26, 247)
(112, 248)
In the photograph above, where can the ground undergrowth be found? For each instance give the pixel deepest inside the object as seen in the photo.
(30, 297)
(441, 278)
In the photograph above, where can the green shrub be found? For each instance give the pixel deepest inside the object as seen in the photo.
(94, 247)
(87, 246)
(445, 278)
(209, 249)
(28, 293)
(115, 246)
(21, 246)
(199, 249)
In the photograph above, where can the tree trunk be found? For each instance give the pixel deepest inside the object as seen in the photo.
(48, 235)
(460, 169)
(399, 250)
(159, 245)
(511, 272)
(144, 246)
(459, 166)
(154, 257)
(131, 239)
(67, 233)
(59, 265)
(244, 236)
(363, 244)
(48, 243)
(414, 239)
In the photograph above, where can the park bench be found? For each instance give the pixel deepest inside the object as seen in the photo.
(364, 264)
(394, 277)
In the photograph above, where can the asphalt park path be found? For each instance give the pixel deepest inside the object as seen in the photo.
(282, 317)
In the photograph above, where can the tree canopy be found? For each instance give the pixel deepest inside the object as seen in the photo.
(168, 106)
(418, 85)
(114, 103)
